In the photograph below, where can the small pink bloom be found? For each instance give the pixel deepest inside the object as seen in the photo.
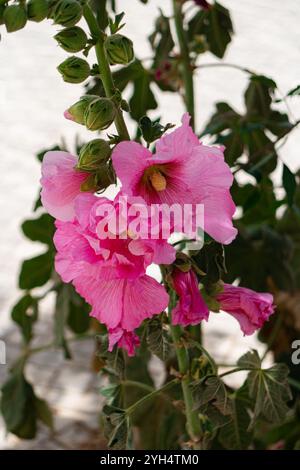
(60, 184)
(251, 309)
(68, 115)
(182, 171)
(124, 339)
(191, 308)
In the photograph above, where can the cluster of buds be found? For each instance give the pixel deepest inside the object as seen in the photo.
(93, 112)
(64, 12)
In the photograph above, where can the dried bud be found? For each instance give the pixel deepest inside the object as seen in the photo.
(76, 111)
(119, 49)
(71, 39)
(67, 12)
(14, 17)
(93, 154)
(100, 114)
(37, 10)
(74, 69)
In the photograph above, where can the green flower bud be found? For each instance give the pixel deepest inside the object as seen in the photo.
(74, 70)
(14, 17)
(67, 12)
(37, 10)
(119, 49)
(93, 154)
(76, 111)
(100, 114)
(71, 39)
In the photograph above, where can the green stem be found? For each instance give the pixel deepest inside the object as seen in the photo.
(187, 71)
(150, 395)
(106, 75)
(192, 420)
(134, 383)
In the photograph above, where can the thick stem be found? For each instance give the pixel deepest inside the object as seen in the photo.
(106, 75)
(187, 71)
(192, 420)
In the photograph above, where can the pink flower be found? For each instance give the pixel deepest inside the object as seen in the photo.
(124, 339)
(250, 308)
(183, 171)
(191, 308)
(106, 271)
(60, 184)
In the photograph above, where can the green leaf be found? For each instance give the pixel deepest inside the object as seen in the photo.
(78, 318)
(116, 427)
(157, 338)
(235, 434)
(25, 314)
(289, 183)
(258, 96)
(41, 229)
(36, 271)
(44, 413)
(215, 25)
(142, 98)
(14, 397)
(213, 391)
(250, 360)
(270, 391)
(161, 41)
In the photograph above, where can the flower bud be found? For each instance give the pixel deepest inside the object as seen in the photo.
(71, 39)
(76, 111)
(14, 17)
(67, 12)
(93, 154)
(37, 10)
(74, 69)
(119, 49)
(99, 114)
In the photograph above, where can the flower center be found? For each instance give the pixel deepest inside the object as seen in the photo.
(158, 181)
(155, 177)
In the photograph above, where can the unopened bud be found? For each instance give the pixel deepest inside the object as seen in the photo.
(71, 39)
(100, 114)
(119, 49)
(14, 17)
(74, 69)
(37, 10)
(93, 154)
(67, 12)
(76, 111)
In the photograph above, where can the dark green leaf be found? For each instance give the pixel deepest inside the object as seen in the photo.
(258, 96)
(157, 338)
(41, 229)
(25, 314)
(36, 271)
(43, 412)
(78, 318)
(289, 183)
(142, 98)
(116, 427)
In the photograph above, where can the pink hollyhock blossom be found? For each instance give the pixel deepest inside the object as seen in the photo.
(124, 339)
(183, 171)
(191, 308)
(60, 184)
(106, 271)
(250, 308)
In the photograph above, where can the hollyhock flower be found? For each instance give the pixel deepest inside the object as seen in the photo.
(191, 308)
(182, 171)
(250, 308)
(60, 184)
(124, 339)
(106, 272)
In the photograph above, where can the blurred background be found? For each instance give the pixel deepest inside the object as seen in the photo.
(33, 98)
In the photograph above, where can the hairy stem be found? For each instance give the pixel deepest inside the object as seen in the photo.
(106, 75)
(192, 420)
(187, 71)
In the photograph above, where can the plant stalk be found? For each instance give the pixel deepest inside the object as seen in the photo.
(106, 75)
(187, 71)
